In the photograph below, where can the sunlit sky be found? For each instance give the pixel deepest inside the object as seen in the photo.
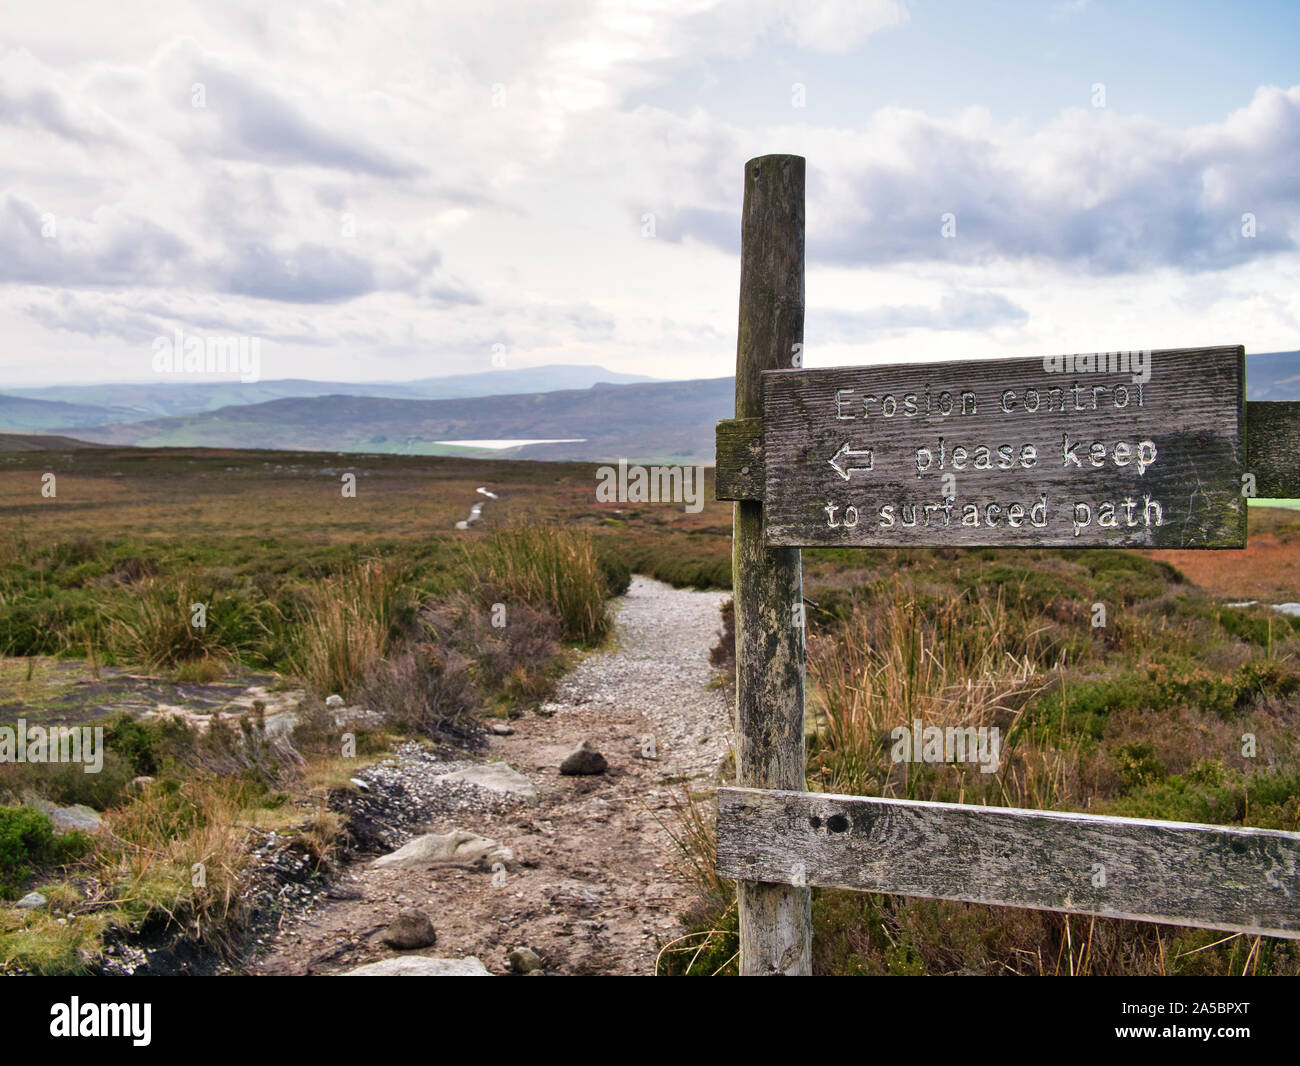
(385, 191)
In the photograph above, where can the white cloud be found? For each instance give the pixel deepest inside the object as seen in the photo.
(1095, 190)
(841, 25)
(351, 194)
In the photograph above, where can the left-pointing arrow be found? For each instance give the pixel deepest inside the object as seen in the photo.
(847, 454)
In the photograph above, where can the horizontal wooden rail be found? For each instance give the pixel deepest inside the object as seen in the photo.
(1213, 877)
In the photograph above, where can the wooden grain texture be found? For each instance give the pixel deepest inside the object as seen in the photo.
(739, 459)
(775, 919)
(1237, 880)
(1273, 448)
(833, 440)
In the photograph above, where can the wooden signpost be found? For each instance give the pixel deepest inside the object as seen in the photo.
(1133, 449)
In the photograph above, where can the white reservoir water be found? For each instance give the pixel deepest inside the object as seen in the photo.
(497, 445)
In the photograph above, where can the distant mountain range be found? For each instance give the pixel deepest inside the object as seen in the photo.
(155, 399)
(18, 414)
(670, 420)
(557, 412)
(29, 442)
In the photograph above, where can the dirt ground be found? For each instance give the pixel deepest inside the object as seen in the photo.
(1268, 569)
(594, 888)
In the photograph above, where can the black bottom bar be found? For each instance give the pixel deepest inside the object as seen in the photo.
(333, 1017)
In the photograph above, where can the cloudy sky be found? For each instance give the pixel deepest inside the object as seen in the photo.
(393, 190)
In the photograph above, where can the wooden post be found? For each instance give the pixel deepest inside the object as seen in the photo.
(775, 919)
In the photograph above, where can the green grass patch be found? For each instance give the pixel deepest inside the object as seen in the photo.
(28, 841)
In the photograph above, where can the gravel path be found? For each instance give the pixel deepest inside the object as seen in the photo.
(659, 667)
(595, 887)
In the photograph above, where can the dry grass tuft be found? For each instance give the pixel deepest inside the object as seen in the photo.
(348, 626)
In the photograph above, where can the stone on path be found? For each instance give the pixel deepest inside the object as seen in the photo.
(584, 759)
(524, 960)
(458, 846)
(410, 929)
(421, 966)
(497, 777)
(32, 901)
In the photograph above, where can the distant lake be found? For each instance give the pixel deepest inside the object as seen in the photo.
(496, 444)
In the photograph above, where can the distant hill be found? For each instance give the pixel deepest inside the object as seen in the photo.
(20, 414)
(159, 398)
(1273, 376)
(654, 420)
(639, 419)
(31, 442)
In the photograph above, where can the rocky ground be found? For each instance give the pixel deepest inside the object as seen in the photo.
(576, 869)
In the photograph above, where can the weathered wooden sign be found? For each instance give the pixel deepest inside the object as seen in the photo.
(1113, 449)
